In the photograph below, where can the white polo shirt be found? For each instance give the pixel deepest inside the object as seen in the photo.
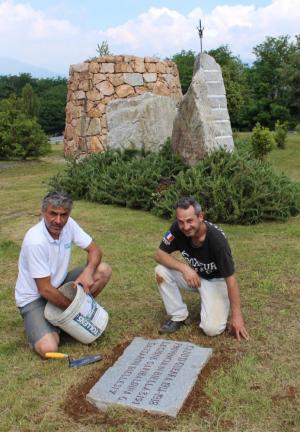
(41, 256)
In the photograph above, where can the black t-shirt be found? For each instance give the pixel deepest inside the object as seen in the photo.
(212, 259)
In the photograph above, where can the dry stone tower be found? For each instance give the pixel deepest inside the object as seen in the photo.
(96, 83)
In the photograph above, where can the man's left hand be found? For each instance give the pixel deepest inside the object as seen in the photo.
(237, 327)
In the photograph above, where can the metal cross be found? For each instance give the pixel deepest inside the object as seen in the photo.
(200, 31)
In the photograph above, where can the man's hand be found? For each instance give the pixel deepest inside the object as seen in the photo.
(237, 327)
(85, 279)
(191, 277)
(236, 322)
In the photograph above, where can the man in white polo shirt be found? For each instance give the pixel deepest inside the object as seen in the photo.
(43, 267)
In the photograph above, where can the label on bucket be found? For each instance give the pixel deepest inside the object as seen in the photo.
(87, 325)
(89, 307)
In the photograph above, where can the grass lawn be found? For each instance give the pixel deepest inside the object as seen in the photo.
(248, 386)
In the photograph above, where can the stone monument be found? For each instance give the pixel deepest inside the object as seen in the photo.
(95, 83)
(142, 122)
(202, 123)
(152, 375)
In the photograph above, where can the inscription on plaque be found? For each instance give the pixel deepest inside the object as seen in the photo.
(151, 375)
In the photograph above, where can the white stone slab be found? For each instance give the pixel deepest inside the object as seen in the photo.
(151, 375)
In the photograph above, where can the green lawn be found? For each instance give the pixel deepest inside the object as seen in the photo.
(249, 386)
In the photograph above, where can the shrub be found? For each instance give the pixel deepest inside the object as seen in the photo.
(125, 178)
(262, 141)
(280, 134)
(20, 136)
(242, 144)
(234, 189)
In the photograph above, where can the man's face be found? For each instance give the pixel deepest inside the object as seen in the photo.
(189, 223)
(55, 219)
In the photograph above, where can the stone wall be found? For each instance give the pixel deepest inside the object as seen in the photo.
(95, 83)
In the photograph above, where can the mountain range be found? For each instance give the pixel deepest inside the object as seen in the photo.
(10, 66)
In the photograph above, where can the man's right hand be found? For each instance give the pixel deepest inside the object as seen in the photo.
(191, 277)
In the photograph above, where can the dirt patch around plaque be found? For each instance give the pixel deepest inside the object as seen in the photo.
(77, 407)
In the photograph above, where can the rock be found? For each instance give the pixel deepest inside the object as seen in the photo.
(116, 79)
(123, 67)
(140, 122)
(84, 85)
(80, 67)
(94, 95)
(161, 89)
(124, 90)
(107, 68)
(150, 77)
(98, 77)
(79, 95)
(94, 127)
(105, 87)
(94, 67)
(93, 84)
(154, 376)
(139, 65)
(150, 67)
(202, 124)
(133, 79)
(94, 145)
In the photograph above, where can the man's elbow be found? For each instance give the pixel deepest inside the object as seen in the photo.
(156, 256)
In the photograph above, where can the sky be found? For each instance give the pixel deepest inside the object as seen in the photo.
(55, 34)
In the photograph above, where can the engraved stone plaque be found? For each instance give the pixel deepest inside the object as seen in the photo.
(151, 375)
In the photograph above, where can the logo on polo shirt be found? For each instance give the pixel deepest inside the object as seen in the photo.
(68, 245)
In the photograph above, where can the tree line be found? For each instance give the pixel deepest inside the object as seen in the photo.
(50, 96)
(266, 92)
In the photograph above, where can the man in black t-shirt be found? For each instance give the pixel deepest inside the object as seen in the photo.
(208, 268)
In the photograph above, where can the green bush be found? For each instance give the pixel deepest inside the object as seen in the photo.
(262, 141)
(20, 136)
(280, 134)
(125, 178)
(233, 189)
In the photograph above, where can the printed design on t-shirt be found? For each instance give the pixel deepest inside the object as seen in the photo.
(217, 227)
(199, 266)
(168, 238)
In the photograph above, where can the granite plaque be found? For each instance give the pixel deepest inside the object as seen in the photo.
(151, 375)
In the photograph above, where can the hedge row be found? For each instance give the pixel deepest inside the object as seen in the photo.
(232, 188)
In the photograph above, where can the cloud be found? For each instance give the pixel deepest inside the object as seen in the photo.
(32, 36)
(165, 31)
(28, 35)
(159, 30)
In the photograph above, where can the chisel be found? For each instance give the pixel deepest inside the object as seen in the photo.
(82, 361)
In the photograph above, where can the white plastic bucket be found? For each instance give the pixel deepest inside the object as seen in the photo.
(84, 319)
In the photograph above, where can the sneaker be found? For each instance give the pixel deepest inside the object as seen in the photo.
(172, 326)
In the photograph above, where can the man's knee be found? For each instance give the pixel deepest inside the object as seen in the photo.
(160, 274)
(212, 328)
(105, 271)
(48, 343)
